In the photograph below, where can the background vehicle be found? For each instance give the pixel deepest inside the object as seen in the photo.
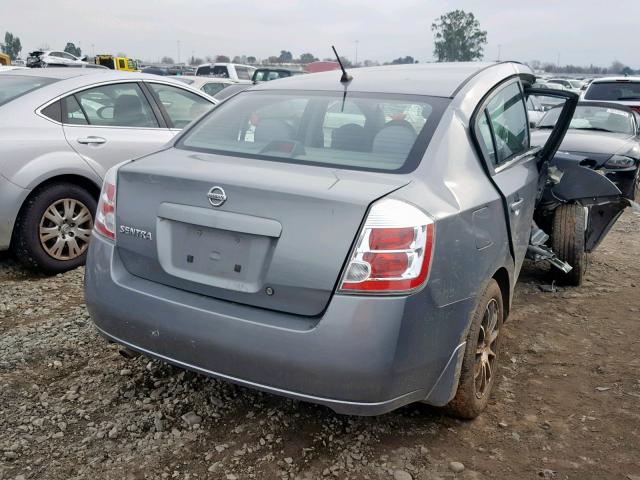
(230, 91)
(267, 74)
(43, 58)
(535, 110)
(60, 130)
(117, 63)
(232, 71)
(568, 83)
(155, 70)
(622, 90)
(321, 66)
(604, 137)
(428, 182)
(209, 85)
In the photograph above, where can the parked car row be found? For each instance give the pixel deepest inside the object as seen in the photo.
(352, 241)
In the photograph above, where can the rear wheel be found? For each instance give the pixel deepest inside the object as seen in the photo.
(568, 234)
(53, 231)
(480, 363)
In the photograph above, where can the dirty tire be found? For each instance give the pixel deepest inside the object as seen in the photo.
(470, 400)
(568, 242)
(25, 242)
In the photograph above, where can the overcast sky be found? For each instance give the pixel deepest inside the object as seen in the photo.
(580, 32)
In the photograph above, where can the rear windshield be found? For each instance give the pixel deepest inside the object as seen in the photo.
(12, 86)
(613, 91)
(358, 131)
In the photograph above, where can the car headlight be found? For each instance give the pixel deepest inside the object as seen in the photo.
(620, 162)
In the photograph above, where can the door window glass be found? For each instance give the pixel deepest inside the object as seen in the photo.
(181, 106)
(212, 88)
(243, 73)
(73, 112)
(509, 122)
(117, 105)
(220, 71)
(485, 138)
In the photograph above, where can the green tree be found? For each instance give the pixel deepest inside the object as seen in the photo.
(72, 49)
(403, 60)
(251, 60)
(167, 60)
(12, 45)
(307, 58)
(285, 56)
(458, 37)
(222, 59)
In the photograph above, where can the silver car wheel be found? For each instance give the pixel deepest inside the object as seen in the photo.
(65, 229)
(486, 349)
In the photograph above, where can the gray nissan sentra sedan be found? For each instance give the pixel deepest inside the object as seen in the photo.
(350, 243)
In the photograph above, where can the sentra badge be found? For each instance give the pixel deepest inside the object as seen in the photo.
(135, 232)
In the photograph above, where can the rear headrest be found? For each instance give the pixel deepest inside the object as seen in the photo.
(271, 129)
(396, 137)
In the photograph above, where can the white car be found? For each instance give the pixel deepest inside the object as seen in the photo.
(232, 71)
(623, 90)
(568, 84)
(41, 58)
(208, 85)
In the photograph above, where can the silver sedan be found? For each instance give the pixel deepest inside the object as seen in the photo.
(61, 129)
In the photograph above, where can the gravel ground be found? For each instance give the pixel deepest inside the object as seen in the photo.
(567, 405)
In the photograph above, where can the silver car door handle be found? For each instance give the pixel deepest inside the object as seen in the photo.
(515, 206)
(90, 140)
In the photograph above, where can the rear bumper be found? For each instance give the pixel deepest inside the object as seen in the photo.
(363, 356)
(11, 198)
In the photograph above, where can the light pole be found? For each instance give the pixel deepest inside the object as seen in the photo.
(178, 51)
(356, 63)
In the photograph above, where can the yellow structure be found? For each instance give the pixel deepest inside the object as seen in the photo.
(117, 63)
(5, 59)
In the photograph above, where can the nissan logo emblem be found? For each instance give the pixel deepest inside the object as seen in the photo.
(216, 196)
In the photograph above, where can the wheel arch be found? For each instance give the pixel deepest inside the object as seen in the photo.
(501, 276)
(84, 182)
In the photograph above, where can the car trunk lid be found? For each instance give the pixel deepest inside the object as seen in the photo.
(278, 240)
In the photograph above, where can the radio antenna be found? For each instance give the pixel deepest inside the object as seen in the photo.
(346, 78)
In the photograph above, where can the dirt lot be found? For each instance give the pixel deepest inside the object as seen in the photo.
(567, 406)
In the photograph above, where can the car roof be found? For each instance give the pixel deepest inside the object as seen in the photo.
(616, 79)
(60, 73)
(431, 79)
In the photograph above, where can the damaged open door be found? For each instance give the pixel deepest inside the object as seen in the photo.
(577, 207)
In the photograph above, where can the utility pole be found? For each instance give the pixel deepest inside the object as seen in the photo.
(356, 63)
(178, 51)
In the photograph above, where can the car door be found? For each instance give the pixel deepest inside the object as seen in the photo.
(111, 123)
(502, 131)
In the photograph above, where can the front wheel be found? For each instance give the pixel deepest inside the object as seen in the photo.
(568, 234)
(480, 363)
(53, 231)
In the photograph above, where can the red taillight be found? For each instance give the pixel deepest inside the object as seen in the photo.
(393, 252)
(391, 238)
(105, 223)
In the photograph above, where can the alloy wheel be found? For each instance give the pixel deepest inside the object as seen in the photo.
(486, 349)
(65, 229)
